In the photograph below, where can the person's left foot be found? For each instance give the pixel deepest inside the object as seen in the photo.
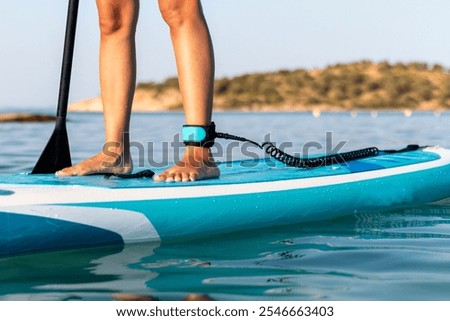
(197, 164)
(100, 164)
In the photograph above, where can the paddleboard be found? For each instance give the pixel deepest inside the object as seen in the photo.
(44, 212)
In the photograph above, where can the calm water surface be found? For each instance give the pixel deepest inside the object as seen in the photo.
(390, 255)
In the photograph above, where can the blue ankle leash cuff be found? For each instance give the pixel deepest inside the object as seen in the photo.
(197, 135)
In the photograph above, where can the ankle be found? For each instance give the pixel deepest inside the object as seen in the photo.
(116, 149)
(199, 154)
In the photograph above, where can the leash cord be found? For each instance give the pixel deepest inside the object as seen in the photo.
(313, 162)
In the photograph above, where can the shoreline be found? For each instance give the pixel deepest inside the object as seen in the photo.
(149, 105)
(93, 105)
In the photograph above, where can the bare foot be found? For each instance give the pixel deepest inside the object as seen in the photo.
(198, 297)
(197, 164)
(133, 297)
(99, 164)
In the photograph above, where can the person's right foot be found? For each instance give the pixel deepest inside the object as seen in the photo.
(197, 164)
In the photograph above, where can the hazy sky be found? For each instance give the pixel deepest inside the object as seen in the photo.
(248, 36)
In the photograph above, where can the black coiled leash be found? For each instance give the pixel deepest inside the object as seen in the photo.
(326, 160)
(314, 162)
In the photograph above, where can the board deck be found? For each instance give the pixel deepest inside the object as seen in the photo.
(44, 212)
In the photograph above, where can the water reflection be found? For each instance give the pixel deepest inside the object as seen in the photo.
(76, 274)
(347, 258)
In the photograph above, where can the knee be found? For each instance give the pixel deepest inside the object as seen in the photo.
(110, 25)
(116, 20)
(176, 12)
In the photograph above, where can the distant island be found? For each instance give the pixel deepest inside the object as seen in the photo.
(361, 85)
(25, 118)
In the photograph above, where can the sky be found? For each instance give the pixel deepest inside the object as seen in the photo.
(248, 36)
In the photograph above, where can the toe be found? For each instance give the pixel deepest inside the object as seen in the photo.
(186, 177)
(65, 172)
(178, 177)
(159, 178)
(193, 176)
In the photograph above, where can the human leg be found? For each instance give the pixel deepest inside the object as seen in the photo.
(117, 21)
(195, 63)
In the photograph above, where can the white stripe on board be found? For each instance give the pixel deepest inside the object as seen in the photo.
(39, 194)
(137, 228)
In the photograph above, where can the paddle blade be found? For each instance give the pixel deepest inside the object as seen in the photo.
(56, 154)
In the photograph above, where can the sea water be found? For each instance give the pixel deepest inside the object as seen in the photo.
(389, 255)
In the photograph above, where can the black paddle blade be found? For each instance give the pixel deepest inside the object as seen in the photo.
(56, 154)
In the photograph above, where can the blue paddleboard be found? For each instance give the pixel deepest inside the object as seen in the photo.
(44, 212)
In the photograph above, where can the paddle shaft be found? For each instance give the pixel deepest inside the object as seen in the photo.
(66, 69)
